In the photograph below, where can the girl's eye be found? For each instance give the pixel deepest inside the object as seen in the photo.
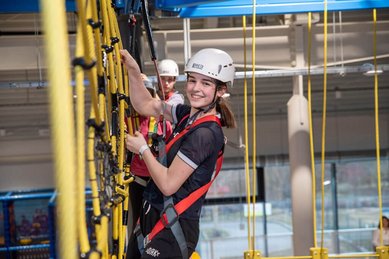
(191, 81)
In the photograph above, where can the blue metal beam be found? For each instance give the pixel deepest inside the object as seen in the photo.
(271, 7)
(219, 8)
(28, 6)
(32, 6)
(176, 5)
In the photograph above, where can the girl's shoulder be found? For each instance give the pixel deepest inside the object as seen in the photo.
(180, 111)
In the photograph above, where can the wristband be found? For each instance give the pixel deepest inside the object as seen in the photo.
(142, 149)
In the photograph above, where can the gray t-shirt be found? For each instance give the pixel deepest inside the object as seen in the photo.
(175, 99)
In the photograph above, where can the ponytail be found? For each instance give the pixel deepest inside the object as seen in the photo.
(227, 116)
(222, 107)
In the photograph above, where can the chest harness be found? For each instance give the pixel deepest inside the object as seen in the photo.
(171, 212)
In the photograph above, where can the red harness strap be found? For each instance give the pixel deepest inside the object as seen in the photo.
(184, 204)
(184, 131)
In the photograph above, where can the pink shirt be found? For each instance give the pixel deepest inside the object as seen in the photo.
(138, 166)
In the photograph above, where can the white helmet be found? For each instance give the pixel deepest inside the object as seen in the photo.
(214, 63)
(148, 84)
(168, 67)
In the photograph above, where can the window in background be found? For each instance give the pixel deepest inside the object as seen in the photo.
(358, 205)
(350, 216)
(351, 203)
(279, 221)
(329, 185)
(223, 227)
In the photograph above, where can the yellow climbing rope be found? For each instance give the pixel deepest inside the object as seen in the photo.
(246, 138)
(324, 116)
(61, 113)
(80, 136)
(376, 119)
(254, 120)
(311, 143)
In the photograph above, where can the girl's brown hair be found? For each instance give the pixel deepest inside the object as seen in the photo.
(223, 107)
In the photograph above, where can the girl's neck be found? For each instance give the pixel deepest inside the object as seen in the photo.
(200, 114)
(196, 114)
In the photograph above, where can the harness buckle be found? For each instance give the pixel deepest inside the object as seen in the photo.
(168, 210)
(137, 231)
(146, 240)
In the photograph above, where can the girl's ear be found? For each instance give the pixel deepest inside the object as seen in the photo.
(222, 90)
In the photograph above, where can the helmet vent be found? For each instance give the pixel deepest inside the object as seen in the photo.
(220, 69)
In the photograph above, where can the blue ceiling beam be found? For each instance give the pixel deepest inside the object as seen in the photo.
(218, 8)
(267, 7)
(32, 6)
(28, 6)
(176, 5)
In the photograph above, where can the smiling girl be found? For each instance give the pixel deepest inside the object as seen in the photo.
(194, 148)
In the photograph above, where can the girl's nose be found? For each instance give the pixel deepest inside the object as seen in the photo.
(196, 85)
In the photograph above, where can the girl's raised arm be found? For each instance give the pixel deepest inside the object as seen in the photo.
(140, 98)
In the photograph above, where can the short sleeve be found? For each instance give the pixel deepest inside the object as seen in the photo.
(198, 146)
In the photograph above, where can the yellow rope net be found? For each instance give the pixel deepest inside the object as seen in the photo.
(97, 59)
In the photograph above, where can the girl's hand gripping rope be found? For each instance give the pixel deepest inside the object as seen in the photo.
(128, 61)
(136, 143)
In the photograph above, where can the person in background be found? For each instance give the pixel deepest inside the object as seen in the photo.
(191, 159)
(147, 126)
(168, 71)
(385, 233)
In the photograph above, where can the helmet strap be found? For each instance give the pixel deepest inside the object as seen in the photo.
(193, 118)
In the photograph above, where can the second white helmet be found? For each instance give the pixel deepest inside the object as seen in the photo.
(168, 67)
(214, 63)
(149, 84)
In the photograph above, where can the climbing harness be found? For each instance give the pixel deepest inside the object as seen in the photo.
(170, 214)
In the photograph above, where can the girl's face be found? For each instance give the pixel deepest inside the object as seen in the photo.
(385, 222)
(200, 90)
(168, 83)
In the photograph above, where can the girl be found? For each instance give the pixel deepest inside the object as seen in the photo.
(385, 233)
(190, 160)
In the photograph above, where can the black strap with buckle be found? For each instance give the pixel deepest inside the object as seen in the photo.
(174, 225)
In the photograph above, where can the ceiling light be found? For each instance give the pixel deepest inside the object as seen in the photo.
(373, 72)
(370, 70)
